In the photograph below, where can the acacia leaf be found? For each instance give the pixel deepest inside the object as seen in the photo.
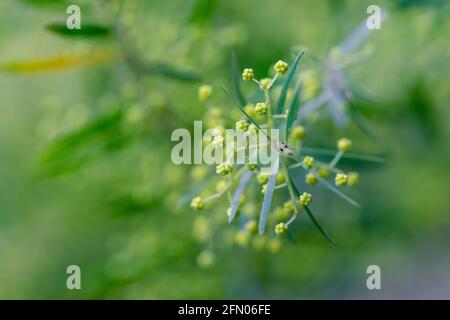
(293, 110)
(287, 81)
(238, 193)
(267, 201)
(88, 30)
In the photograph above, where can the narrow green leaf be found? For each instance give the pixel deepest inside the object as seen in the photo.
(338, 192)
(290, 76)
(310, 215)
(316, 223)
(330, 153)
(238, 193)
(236, 77)
(240, 107)
(169, 71)
(293, 110)
(267, 201)
(88, 30)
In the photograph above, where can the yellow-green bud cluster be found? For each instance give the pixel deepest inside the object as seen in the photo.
(324, 172)
(305, 198)
(262, 178)
(252, 128)
(241, 126)
(218, 140)
(264, 189)
(352, 178)
(298, 133)
(248, 74)
(341, 179)
(281, 67)
(280, 178)
(204, 92)
(224, 168)
(261, 108)
(251, 226)
(251, 166)
(311, 179)
(308, 161)
(265, 83)
(197, 203)
(280, 229)
(288, 207)
(344, 144)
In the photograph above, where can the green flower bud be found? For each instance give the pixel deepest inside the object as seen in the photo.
(344, 144)
(197, 203)
(280, 229)
(265, 84)
(274, 245)
(262, 178)
(324, 172)
(251, 226)
(241, 126)
(251, 166)
(288, 208)
(308, 161)
(261, 108)
(281, 67)
(305, 199)
(298, 133)
(204, 92)
(224, 168)
(311, 179)
(241, 238)
(248, 74)
(352, 178)
(341, 179)
(280, 178)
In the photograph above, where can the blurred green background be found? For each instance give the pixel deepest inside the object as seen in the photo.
(85, 170)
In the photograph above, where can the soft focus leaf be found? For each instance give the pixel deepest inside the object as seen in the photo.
(287, 81)
(202, 11)
(88, 30)
(59, 62)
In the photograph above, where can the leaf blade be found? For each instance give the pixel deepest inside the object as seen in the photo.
(267, 201)
(318, 226)
(290, 76)
(88, 30)
(238, 193)
(293, 110)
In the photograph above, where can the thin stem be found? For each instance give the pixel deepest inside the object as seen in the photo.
(336, 159)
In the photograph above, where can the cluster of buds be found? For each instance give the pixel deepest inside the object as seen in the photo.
(259, 114)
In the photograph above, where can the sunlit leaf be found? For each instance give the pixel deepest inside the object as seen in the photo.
(287, 81)
(59, 62)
